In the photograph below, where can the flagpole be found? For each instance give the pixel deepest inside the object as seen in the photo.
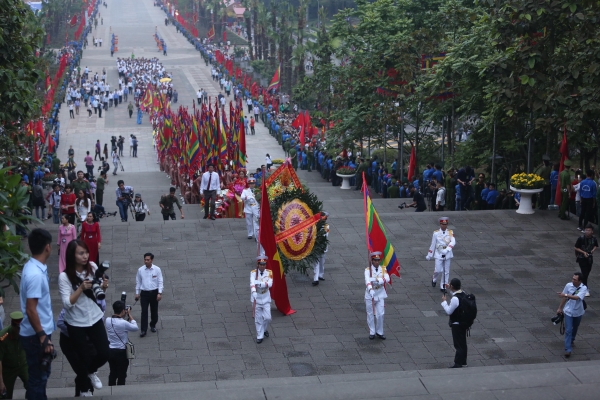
(364, 188)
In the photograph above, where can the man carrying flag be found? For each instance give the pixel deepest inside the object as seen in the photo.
(375, 279)
(261, 280)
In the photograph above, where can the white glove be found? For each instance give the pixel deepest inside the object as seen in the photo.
(444, 252)
(428, 257)
(254, 295)
(372, 293)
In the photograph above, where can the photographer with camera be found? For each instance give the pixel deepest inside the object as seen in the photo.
(418, 200)
(124, 198)
(140, 208)
(117, 328)
(572, 307)
(38, 322)
(80, 287)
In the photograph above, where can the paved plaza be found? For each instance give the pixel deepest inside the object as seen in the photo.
(514, 264)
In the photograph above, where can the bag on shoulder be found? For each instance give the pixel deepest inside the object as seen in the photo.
(467, 309)
(130, 350)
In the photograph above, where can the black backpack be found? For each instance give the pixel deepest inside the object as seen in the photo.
(467, 309)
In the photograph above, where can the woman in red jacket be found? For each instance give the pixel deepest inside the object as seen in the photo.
(67, 204)
(90, 234)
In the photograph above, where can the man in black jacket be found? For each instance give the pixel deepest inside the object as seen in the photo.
(459, 333)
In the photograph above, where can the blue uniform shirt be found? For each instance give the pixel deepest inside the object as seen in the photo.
(35, 285)
(491, 196)
(587, 189)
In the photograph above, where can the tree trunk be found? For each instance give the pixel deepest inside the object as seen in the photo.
(249, 32)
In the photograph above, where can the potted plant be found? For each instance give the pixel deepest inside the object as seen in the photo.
(526, 185)
(346, 173)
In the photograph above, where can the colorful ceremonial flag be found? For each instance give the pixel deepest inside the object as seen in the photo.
(211, 33)
(376, 238)
(274, 85)
(279, 291)
(564, 154)
(412, 164)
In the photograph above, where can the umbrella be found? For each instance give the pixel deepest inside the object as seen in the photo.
(165, 80)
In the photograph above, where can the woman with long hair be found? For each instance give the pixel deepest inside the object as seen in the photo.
(83, 316)
(90, 234)
(66, 233)
(105, 151)
(83, 206)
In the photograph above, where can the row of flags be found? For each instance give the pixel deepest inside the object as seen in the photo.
(194, 138)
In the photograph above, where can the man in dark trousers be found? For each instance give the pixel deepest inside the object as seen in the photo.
(148, 289)
(459, 333)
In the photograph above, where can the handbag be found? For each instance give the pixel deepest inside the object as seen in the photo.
(129, 347)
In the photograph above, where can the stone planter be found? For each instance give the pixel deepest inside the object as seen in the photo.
(525, 203)
(345, 180)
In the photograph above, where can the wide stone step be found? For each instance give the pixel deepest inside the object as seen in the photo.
(580, 380)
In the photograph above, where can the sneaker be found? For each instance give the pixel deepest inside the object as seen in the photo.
(86, 394)
(95, 381)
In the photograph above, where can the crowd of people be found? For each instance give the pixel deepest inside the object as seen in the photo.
(137, 73)
(87, 338)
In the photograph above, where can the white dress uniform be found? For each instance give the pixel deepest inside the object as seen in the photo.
(260, 283)
(442, 243)
(252, 212)
(374, 281)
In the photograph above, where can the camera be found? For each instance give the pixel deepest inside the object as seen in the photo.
(124, 300)
(557, 319)
(98, 279)
(401, 206)
(46, 359)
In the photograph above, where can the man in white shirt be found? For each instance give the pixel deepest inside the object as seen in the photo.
(208, 190)
(572, 307)
(148, 289)
(376, 277)
(459, 332)
(251, 208)
(199, 96)
(440, 198)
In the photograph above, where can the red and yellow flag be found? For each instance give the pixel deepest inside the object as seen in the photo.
(279, 291)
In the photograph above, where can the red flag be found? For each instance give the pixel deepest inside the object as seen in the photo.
(279, 292)
(51, 145)
(211, 33)
(564, 154)
(412, 164)
(73, 20)
(36, 152)
(299, 121)
(274, 85)
(301, 136)
(39, 131)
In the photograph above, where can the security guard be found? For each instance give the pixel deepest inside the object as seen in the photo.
(12, 356)
(442, 243)
(320, 264)
(251, 208)
(261, 280)
(564, 180)
(375, 294)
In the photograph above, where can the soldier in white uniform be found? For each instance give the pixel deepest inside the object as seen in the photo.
(375, 294)
(319, 268)
(442, 243)
(261, 280)
(251, 209)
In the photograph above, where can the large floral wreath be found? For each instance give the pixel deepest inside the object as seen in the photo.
(302, 250)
